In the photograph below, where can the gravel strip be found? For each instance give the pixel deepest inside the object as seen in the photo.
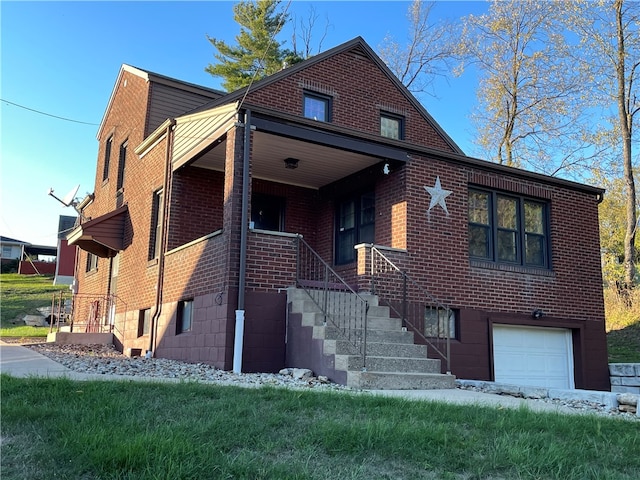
(106, 360)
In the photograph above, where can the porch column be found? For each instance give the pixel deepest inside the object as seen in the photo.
(363, 257)
(232, 228)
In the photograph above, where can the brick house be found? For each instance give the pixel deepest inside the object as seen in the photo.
(407, 255)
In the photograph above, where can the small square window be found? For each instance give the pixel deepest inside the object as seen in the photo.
(317, 106)
(185, 316)
(391, 126)
(92, 262)
(438, 320)
(6, 252)
(144, 322)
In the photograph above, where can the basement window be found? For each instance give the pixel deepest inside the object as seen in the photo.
(436, 321)
(144, 322)
(185, 316)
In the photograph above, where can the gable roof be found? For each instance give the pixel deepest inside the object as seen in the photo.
(156, 78)
(8, 240)
(364, 49)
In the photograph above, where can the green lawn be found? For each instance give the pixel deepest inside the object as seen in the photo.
(21, 295)
(124, 430)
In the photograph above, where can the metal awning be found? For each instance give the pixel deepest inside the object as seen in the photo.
(103, 236)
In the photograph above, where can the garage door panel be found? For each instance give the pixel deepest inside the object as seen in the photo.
(533, 356)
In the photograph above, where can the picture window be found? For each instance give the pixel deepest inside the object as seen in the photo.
(508, 229)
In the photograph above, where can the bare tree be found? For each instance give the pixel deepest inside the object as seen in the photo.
(428, 52)
(610, 51)
(308, 26)
(527, 90)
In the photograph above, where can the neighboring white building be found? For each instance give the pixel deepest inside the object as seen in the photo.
(11, 249)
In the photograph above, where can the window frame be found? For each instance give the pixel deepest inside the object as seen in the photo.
(107, 158)
(122, 160)
(395, 117)
(519, 231)
(155, 232)
(92, 262)
(358, 230)
(144, 322)
(273, 205)
(439, 321)
(314, 96)
(184, 305)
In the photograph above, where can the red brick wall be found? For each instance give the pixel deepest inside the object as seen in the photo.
(359, 91)
(196, 204)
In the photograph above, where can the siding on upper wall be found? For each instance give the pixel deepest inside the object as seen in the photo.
(168, 102)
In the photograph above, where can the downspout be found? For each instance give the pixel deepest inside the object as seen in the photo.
(244, 231)
(163, 243)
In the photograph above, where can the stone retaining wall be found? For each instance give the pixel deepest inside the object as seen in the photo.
(625, 377)
(612, 401)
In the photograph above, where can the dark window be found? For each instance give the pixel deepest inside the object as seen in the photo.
(317, 106)
(121, 165)
(508, 229)
(185, 316)
(155, 235)
(355, 223)
(267, 212)
(437, 320)
(92, 262)
(107, 158)
(144, 322)
(391, 126)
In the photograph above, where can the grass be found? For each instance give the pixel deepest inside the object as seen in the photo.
(21, 295)
(623, 326)
(58, 428)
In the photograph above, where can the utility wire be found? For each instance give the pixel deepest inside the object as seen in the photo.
(47, 114)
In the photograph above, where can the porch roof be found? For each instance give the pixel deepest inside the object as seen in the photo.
(103, 236)
(324, 153)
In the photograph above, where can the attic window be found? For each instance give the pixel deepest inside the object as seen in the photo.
(317, 106)
(391, 126)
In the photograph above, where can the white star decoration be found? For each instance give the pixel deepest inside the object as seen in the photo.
(438, 195)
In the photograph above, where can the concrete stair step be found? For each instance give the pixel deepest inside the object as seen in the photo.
(393, 350)
(399, 381)
(294, 294)
(373, 335)
(387, 364)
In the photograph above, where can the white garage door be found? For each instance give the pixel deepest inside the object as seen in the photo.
(533, 356)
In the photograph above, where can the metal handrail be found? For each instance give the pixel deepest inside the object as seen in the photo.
(418, 309)
(341, 306)
(87, 313)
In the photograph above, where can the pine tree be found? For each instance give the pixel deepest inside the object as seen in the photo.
(257, 53)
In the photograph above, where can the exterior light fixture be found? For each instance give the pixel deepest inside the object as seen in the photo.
(537, 314)
(291, 163)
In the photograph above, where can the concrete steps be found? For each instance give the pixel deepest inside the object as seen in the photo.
(393, 360)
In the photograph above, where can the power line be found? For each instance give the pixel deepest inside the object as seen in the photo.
(47, 114)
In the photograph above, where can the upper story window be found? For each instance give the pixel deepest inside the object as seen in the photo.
(107, 158)
(317, 106)
(391, 126)
(122, 161)
(508, 229)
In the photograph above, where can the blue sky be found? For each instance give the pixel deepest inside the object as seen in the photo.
(62, 59)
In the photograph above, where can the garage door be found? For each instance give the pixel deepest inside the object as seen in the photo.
(533, 356)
